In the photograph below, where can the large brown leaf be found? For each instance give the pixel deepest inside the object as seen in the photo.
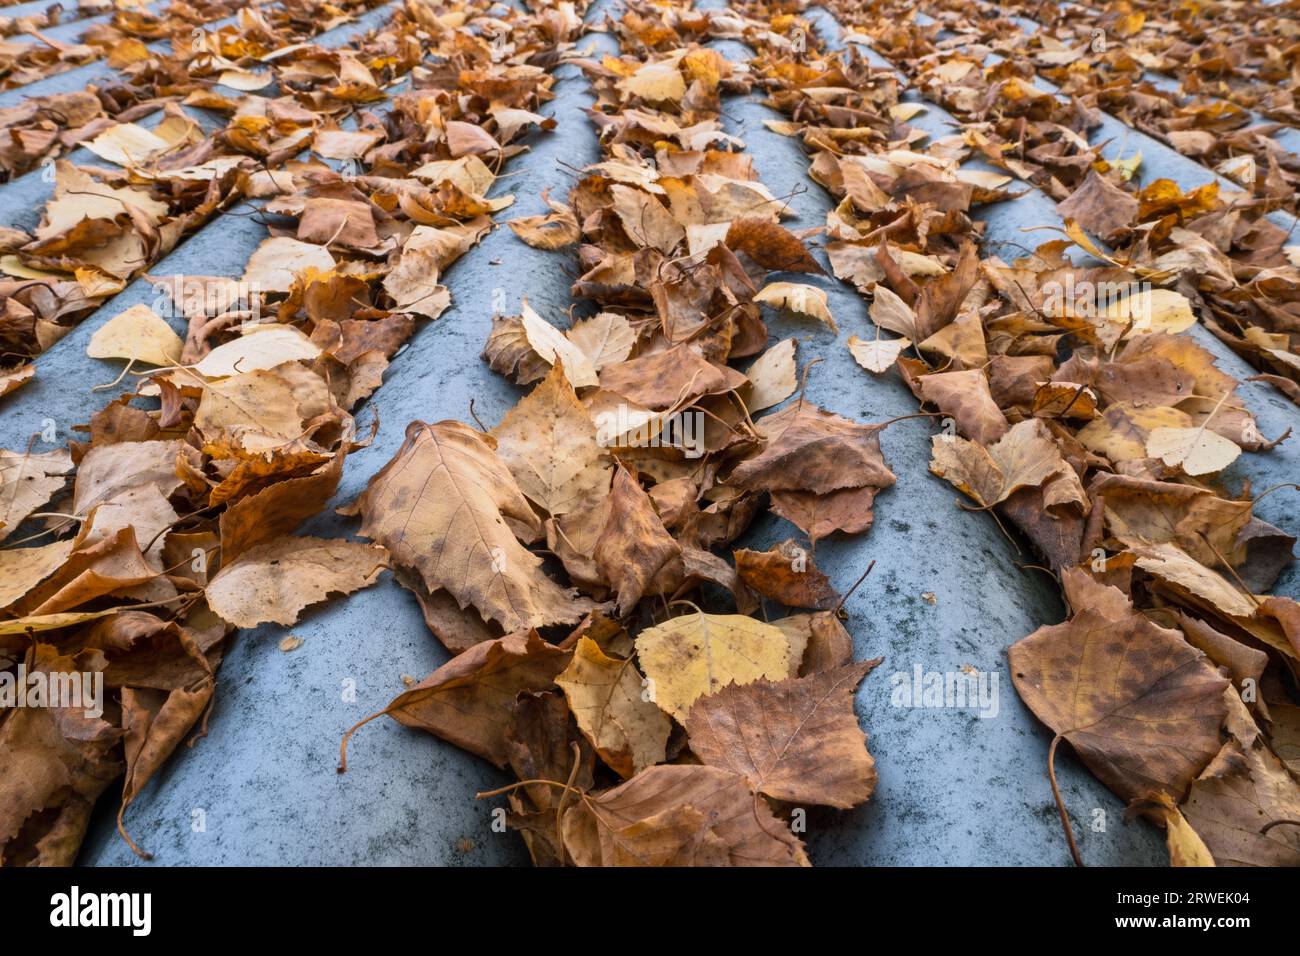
(468, 701)
(795, 740)
(440, 506)
(648, 821)
(810, 449)
(1140, 705)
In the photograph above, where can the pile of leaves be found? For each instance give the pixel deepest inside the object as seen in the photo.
(658, 702)
(185, 491)
(42, 128)
(105, 226)
(1219, 247)
(664, 722)
(123, 42)
(52, 16)
(1106, 463)
(1106, 54)
(1211, 50)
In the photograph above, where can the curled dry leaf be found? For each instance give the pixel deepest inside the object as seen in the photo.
(468, 701)
(877, 355)
(553, 230)
(441, 507)
(772, 246)
(634, 551)
(608, 699)
(786, 573)
(798, 298)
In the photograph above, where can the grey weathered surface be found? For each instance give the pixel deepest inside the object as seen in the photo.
(954, 788)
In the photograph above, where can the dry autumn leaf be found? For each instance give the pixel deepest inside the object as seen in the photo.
(274, 581)
(441, 507)
(607, 696)
(137, 334)
(468, 700)
(679, 816)
(795, 740)
(698, 654)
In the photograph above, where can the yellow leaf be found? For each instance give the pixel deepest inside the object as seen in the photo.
(878, 354)
(139, 334)
(607, 699)
(798, 298)
(1197, 451)
(697, 654)
(259, 347)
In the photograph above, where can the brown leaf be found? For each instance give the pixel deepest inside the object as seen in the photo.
(673, 378)
(796, 740)
(1240, 793)
(848, 510)
(966, 397)
(274, 581)
(1025, 457)
(649, 821)
(1100, 207)
(810, 449)
(607, 698)
(468, 701)
(441, 506)
(1119, 691)
(786, 573)
(154, 723)
(772, 246)
(553, 230)
(55, 762)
